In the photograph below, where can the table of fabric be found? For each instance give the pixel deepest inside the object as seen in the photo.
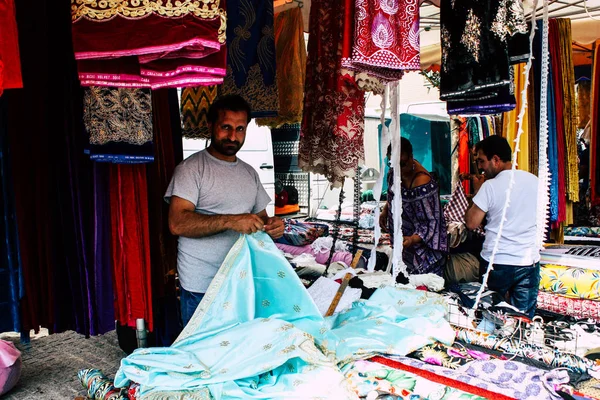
(251, 56)
(576, 283)
(119, 124)
(291, 68)
(386, 38)
(10, 62)
(577, 308)
(195, 102)
(331, 141)
(244, 341)
(149, 44)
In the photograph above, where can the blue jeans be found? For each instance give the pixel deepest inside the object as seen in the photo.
(520, 282)
(189, 302)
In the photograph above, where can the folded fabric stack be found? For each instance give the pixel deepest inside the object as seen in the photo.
(570, 281)
(583, 231)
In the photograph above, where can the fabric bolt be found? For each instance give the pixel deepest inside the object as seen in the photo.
(195, 102)
(130, 245)
(369, 379)
(583, 231)
(99, 386)
(331, 141)
(163, 245)
(10, 62)
(258, 348)
(594, 135)
(386, 38)
(11, 273)
(291, 68)
(251, 56)
(577, 308)
(576, 283)
(191, 52)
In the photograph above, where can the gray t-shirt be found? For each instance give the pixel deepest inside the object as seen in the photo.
(215, 187)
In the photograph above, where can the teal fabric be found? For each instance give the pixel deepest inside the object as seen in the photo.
(258, 334)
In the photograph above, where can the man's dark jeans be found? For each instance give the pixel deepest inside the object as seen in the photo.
(189, 303)
(520, 282)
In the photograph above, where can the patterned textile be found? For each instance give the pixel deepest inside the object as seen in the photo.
(371, 380)
(582, 231)
(576, 308)
(456, 209)
(446, 356)
(531, 383)
(475, 63)
(421, 215)
(514, 346)
(291, 68)
(576, 283)
(251, 56)
(194, 110)
(119, 124)
(99, 387)
(266, 346)
(151, 43)
(10, 62)
(331, 141)
(386, 38)
(298, 233)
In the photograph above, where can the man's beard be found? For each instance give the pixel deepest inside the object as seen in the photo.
(227, 147)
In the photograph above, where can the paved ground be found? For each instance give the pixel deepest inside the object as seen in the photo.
(51, 363)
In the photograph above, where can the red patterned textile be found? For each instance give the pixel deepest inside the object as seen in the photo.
(10, 62)
(386, 38)
(578, 308)
(331, 138)
(149, 44)
(130, 244)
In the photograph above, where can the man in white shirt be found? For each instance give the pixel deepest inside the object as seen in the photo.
(516, 265)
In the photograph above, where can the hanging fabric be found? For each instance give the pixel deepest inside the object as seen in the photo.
(195, 102)
(11, 273)
(331, 142)
(532, 128)
(595, 129)
(152, 44)
(509, 122)
(10, 61)
(251, 56)
(130, 245)
(119, 124)
(386, 38)
(291, 67)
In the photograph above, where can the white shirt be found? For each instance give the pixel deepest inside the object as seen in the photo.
(517, 244)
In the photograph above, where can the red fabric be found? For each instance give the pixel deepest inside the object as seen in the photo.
(331, 140)
(10, 62)
(464, 157)
(465, 387)
(560, 128)
(130, 244)
(577, 308)
(149, 50)
(386, 38)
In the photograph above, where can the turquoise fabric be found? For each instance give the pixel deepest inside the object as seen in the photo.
(258, 334)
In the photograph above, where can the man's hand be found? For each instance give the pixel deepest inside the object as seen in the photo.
(274, 227)
(410, 241)
(477, 182)
(245, 223)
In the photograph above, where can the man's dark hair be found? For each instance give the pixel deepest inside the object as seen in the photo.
(495, 146)
(406, 146)
(229, 102)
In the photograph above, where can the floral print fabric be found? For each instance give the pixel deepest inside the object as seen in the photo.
(576, 283)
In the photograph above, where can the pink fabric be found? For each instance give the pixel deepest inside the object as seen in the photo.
(578, 308)
(321, 258)
(10, 366)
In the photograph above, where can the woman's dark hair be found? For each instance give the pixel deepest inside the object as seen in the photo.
(495, 146)
(406, 147)
(229, 102)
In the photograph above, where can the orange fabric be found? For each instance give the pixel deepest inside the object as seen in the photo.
(287, 209)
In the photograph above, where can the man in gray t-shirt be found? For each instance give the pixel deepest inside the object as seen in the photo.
(214, 196)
